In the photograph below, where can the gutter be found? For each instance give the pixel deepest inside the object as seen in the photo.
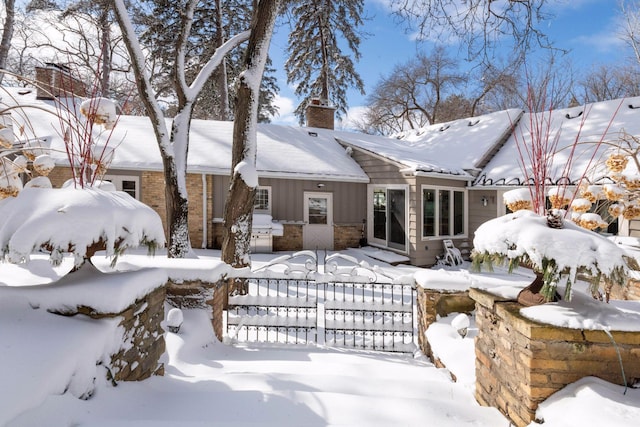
(204, 211)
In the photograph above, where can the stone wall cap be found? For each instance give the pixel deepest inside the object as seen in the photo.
(88, 287)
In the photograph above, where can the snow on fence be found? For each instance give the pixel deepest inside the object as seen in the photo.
(342, 307)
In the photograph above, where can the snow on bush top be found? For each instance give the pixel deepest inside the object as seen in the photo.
(102, 111)
(70, 220)
(516, 195)
(572, 247)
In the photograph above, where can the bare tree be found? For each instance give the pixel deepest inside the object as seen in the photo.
(433, 89)
(7, 33)
(505, 93)
(173, 144)
(609, 82)
(239, 207)
(98, 12)
(84, 37)
(479, 25)
(630, 10)
(547, 85)
(412, 95)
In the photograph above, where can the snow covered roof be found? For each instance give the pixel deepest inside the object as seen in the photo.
(470, 140)
(587, 124)
(283, 151)
(408, 157)
(452, 148)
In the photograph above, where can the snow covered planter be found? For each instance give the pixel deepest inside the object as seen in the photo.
(79, 221)
(559, 255)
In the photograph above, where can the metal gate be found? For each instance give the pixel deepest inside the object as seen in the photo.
(345, 306)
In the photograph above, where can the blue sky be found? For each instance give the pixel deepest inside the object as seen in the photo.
(588, 28)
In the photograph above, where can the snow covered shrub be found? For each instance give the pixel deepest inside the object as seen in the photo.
(524, 238)
(87, 214)
(537, 234)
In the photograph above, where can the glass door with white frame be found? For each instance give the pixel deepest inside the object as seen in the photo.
(318, 218)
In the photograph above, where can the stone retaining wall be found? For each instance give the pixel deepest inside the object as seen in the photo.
(190, 293)
(200, 294)
(143, 345)
(433, 303)
(520, 363)
(629, 292)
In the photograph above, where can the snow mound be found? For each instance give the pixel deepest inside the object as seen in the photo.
(70, 220)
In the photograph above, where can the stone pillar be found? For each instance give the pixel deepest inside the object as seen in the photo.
(219, 304)
(143, 345)
(520, 363)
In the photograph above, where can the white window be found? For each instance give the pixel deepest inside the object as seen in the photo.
(128, 184)
(262, 203)
(443, 212)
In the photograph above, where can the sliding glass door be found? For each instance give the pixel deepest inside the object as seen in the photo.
(388, 216)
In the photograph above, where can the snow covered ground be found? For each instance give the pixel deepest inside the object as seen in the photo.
(209, 383)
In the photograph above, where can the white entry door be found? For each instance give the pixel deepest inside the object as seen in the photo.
(318, 218)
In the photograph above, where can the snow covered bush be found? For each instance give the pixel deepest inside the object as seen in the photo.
(524, 238)
(550, 229)
(77, 221)
(84, 216)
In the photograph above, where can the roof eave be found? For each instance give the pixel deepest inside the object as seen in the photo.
(439, 175)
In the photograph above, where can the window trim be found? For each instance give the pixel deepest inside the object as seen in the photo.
(117, 180)
(437, 189)
(269, 201)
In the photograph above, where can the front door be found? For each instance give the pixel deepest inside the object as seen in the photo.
(318, 218)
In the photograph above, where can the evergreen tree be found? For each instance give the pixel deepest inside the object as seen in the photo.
(34, 5)
(317, 65)
(215, 21)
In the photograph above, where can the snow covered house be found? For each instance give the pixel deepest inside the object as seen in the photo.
(318, 188)
(583, 137)
(418, 193)
(309, 185)
(325, 189)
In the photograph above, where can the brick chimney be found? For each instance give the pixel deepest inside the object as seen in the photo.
(320, 114)
(55, 80)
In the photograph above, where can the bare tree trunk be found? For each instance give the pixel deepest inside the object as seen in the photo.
(105, 51)
(174, 146)
(7, 33)
(176, 187)
(239, 207)
(221, 72)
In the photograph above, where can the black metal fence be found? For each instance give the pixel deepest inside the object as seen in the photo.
(371, 316)
(275, 311)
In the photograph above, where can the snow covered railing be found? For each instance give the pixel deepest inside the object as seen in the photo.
(345, 268)
(291, 301)
(275, 310)
(371, 316)
(299, 264)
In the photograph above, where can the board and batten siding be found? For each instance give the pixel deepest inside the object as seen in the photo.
(478, 213)
(287, 198)
(382, 172)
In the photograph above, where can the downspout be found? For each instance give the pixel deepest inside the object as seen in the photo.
(204, 211)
